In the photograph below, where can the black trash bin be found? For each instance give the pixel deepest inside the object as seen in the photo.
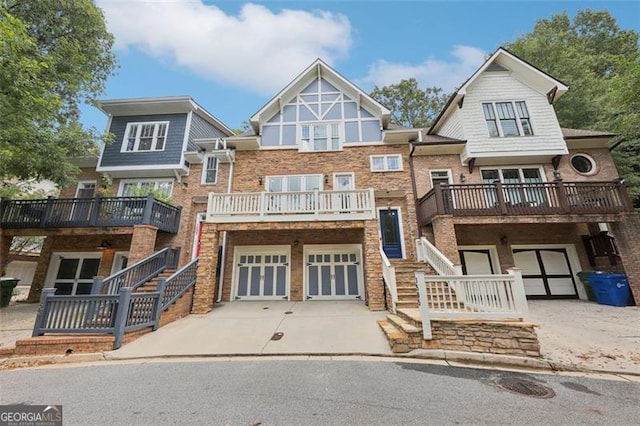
(7, 284)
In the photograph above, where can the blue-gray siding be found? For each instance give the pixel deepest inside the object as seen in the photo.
(172, 153)
(201, 128)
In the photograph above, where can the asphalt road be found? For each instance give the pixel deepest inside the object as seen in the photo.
(307, 392)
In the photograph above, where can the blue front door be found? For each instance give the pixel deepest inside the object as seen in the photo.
(390, 230)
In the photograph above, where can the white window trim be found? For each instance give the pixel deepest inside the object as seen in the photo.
(594, 165)
(493, 255)
(386, 164)
(83, 182)
(54, 264)
(318, 175)
(156, 124)
(337, 174)
(203, 179)
(117, 256)
(519, 168)
(155, 184)
(341, 134)
(518, 118)
(449, 175)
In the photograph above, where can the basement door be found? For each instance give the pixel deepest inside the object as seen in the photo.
(333, 272)
(546, 273)
(262, 274)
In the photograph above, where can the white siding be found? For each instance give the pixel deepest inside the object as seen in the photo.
(492, 87)
(452, 127)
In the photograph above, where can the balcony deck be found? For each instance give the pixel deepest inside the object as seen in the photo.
(544, 198)
(307, 206)
(89, 212)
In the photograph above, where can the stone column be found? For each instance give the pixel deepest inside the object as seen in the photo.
(626, 233)
(373, 282)
(205, 290)
(143, 243)
(41, 270)
(444, 233)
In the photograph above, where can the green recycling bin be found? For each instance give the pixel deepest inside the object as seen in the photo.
(7, 284)
(584, 278)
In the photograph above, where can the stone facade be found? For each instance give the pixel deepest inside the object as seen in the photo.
(496, 337)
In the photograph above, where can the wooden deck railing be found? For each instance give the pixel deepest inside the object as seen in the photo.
(89, 212)
(544, 198)
(357, 204)
(111, 313)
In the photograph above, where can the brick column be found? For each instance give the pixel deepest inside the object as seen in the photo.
(444, 233)
(626, 233)
(373, 266)
(205, 289)
(5, 245)
(41, 270)
(413, 227)
(143, 242)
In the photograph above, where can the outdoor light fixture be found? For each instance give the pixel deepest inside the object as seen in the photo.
(260, 180)
(504, 240)
(326, 178)
(463, 178)
(104, 244)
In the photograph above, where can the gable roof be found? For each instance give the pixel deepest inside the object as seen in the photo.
(583, 133)
(318, 68)
(159, 105)
(504, 59)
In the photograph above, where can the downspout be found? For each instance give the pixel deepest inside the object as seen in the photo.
(413, 181)
(224, 234)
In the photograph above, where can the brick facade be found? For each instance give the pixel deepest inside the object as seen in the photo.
(626, 233)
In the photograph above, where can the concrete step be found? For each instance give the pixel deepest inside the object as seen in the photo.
(404, 325)
(407, 304)
(411, 315)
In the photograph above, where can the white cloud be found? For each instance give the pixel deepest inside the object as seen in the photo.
(431, 72)
(258, 49)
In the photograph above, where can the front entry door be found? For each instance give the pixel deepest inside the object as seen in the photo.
(334, 274)
(546, 273)
(390, 230)
(262, 275)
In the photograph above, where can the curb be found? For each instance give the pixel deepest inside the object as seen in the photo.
(452, 358)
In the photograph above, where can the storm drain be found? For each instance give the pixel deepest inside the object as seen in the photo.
(525, 387)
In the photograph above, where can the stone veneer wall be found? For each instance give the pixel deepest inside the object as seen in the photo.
(505, 338)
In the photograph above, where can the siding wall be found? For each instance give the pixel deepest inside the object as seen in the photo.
(201, 128)
(452, 127)
(494, 87)
(172, 153)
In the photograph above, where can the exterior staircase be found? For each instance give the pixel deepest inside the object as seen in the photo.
(152, 285)
(406, 281)
(403, 330)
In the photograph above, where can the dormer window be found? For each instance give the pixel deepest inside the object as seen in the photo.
(506, 119)
(320, 137)
(149, 136)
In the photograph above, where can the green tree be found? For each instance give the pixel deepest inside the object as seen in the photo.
(54, 55)
(410, 105)
(600, 64)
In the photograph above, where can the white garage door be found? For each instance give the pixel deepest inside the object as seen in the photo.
(22, 270)
(333, 273)
(262, 274)
(546, 273)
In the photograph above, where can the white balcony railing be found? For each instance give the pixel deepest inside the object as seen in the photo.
(389, 275)
(356, 204)
(427, 252)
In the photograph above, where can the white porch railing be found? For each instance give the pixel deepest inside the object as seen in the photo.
(356, 204)
(389, 275)
(489, 297)
(427, 252)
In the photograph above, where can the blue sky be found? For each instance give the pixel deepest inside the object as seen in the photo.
(233, 56)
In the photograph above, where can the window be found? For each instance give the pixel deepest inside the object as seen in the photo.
(439, 176)
(210, 169)
(320, 137)
(386, 163)
(531, 193)
(145, 136)
(294, 183)
(582, 163)
(130, 187)
(507, 119)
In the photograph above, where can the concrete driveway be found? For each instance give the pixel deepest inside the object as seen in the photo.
(248, 328)
(588, 335)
